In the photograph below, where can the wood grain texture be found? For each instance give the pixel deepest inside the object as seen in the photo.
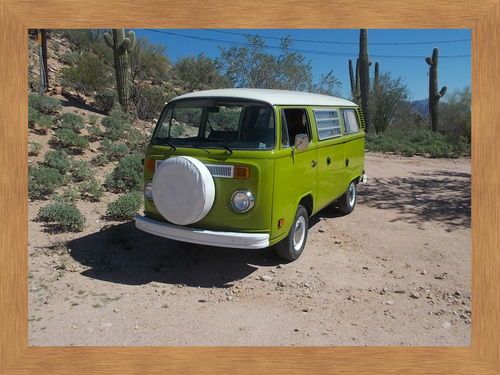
(483, 357)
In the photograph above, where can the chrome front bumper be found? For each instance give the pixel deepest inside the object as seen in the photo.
(201, 236)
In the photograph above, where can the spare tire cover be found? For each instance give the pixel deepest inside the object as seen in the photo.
(183, 190)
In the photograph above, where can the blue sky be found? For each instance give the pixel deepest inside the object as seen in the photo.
(455, 72)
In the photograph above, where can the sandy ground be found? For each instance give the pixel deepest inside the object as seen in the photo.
(394, 272)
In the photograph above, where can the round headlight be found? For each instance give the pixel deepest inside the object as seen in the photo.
(148, 190)
(242, 201)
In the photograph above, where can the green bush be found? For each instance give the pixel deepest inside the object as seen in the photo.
(69, 195)
(70, 58)
(93, 119)
(127, 175)
(71, 121)
(43, 180)
(44, 104)
(81, 170)
(43, 121)
(34, 149)
(91, 190)
(148, 100)
(125, 207)
(136, 140)
(63, 216)
(94, 132)
(117, 124)
(113, 151)
(67, 138)
(100, 160)
(105, 100)
(412, 140)
(59, 160)
(88, 74)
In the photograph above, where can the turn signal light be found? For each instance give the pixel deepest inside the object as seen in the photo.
(281, 223)
(241, 172)
(149, 165)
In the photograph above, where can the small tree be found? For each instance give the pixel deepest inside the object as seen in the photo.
(200, 73)
(88, 74)
(386, 97)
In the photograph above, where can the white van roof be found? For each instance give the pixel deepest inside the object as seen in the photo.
(273, 97)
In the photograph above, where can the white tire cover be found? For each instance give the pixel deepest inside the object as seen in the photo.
(183, 190)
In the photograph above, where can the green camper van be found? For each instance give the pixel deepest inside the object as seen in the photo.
(247, 168)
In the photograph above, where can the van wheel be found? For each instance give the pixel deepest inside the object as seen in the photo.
(348, 200)
(293, 245)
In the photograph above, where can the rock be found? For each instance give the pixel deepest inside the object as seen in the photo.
(338, 242)
(280, 284)
(423, 272)
(116, 310)
(366, 267)
(446, 325)
(442, 276)
(389, 302)
(202, 300)
(307, 309)
(415, 295)
(266, 278)
(296, 330)
(457, 294)
(400, 291)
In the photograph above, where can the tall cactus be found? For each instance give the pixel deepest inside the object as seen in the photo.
(354, 79)
(376, 77)
(122, 45)
(364, 76)
(434, 95)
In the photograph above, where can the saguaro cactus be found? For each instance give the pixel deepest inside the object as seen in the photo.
(364, 76)
(434, 95)
(121, 46)
(376, 79)
(354, 79)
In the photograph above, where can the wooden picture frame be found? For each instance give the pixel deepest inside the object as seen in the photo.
(482, 16)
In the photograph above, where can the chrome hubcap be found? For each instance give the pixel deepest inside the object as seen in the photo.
(352, 194)
(299, 233)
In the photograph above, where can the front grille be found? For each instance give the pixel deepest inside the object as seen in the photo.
(224, 171)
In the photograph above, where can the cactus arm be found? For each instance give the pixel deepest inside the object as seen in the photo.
(428, 60)
(443, 91)
(133, 42)
(108, 39)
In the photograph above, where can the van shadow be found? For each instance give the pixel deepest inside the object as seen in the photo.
(123, 254)
(440, 196)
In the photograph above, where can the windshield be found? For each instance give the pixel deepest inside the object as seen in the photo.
(213, 123)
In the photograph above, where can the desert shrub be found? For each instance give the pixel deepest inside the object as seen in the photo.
(70, 58)
(69, 195)
(136, 140)
(91, 190)
(71, 121)
(92, 119)
(113, 151)
(105, 100)
(117, 124)
(34, 149)
(88, 74)
(33, 116)
(44, 104)
(94, 132)
(63, 216)
(67, 138)
(43, 121)
(100, 160)
(409, 141)
(81, 170)
(148, 100)
(127, 175)
(43, 180)
(125, 207)
(59, 160)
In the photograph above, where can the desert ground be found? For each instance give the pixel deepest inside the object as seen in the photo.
(397, 271)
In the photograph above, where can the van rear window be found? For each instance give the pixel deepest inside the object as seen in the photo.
(350, 121)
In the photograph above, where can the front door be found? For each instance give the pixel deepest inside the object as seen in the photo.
(295, 170)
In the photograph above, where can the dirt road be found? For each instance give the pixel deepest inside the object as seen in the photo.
(394, 272)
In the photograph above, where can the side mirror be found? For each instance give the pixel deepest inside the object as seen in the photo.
(301, 142)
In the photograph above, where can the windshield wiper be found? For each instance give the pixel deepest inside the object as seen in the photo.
(165, 140)
(220, 144)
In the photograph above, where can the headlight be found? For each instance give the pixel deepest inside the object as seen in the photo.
(148, 190)
(242, 201)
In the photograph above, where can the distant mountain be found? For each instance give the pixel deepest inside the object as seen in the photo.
(421, 106)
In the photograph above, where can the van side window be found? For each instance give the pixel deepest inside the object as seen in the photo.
(294, 121)
(328, 123)
(351, 124)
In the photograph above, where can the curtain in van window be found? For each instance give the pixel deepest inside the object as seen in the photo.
(350, 121)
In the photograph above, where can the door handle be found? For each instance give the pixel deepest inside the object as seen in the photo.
(328, 160)
(313, 163)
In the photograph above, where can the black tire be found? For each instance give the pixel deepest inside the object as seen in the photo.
(287, 248)
(347, 201)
